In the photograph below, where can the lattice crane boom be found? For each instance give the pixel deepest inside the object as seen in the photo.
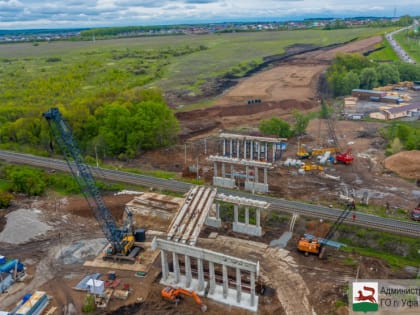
(83, 175)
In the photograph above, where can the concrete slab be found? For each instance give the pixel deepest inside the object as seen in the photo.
(213, 222)
(224, 182)
(282, 241)
(246, 229)
(245, 302)
(258, 187)
(213, 235)
(170, 281)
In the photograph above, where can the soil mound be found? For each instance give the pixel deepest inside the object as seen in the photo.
(405, 164)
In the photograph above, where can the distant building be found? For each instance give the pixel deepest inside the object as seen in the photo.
(366, 94)
(350, 104)
(412, 110)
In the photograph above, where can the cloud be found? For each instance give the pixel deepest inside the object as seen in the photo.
(201, 1)
(10, 6)
(79, 13)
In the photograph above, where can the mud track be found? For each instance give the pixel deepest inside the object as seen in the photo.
(290, 84)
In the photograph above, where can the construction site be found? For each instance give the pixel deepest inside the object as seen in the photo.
(258, 236)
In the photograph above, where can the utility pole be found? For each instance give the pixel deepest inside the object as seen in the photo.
(197, 169)
(205, 146)
(96, 155)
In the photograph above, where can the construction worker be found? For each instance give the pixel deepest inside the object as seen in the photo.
(353, 216)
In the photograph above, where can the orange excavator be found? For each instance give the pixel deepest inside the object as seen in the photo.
(175, 295)
(315, 246)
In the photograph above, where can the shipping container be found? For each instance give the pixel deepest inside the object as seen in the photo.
(11, 265)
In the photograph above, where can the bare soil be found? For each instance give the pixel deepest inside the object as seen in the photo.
(286, 274)
(290, 84)
(405, 164)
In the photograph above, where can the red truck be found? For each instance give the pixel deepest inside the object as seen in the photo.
(415, 213)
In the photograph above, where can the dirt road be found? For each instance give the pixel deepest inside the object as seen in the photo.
(292, 84)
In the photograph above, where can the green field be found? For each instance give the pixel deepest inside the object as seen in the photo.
(410, 45)
(126, 63)
(385, 54)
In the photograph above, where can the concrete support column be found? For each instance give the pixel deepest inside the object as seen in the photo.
(258, 217)
(225, 281)
(252, 150)
(164, 260)
(274, 152)
(266, 152)
(246, 215)
(200, 274)
(238, 285)
(232, 171)
(215, 169)
(235, 214)
(237, 149)
(231, 148)
(175, 262)
(212, 278)
(256, 175)
(252, 288)
(265, 175)
(188, 274)
(245, 145)
(217, 211)
(223, 170)
(246, 173)
(258, 151)
(224, 147)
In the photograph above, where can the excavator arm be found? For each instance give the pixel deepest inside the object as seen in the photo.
(174, 294)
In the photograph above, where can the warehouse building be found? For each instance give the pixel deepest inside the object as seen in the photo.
(412, 110)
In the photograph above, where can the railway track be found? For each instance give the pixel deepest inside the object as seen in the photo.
(276, 204)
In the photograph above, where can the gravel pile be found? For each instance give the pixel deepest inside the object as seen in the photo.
(22, 226)
(80, 250)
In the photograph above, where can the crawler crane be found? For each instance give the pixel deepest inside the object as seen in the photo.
(121, 239)
(314, 246)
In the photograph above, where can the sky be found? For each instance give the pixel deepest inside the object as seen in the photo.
(23, 14)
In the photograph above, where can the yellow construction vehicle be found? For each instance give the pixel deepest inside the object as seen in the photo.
(311, 167)
(301, 152)
(323, 151)
(175, 295)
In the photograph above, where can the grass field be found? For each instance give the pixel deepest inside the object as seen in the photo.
(410, 45)
(385, 54)
(125, 63)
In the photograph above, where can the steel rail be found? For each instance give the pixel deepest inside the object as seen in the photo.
(276, 204)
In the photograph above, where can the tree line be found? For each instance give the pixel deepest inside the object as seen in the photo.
(352, 71)
(100, 95)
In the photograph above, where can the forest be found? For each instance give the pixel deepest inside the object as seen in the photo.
(353, 71)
